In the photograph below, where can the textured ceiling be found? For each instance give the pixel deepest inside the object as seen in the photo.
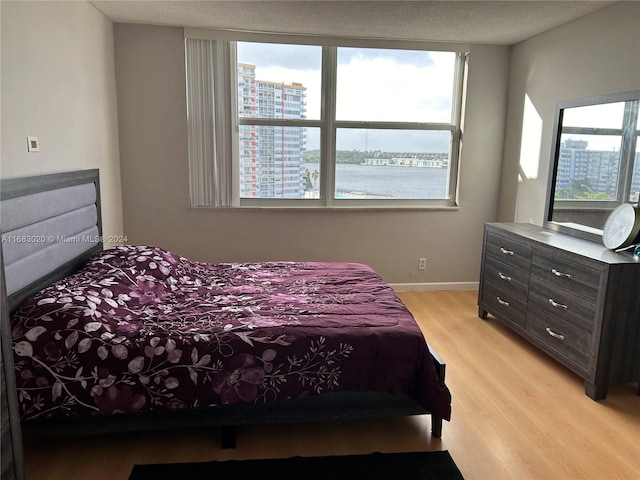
(492, 22)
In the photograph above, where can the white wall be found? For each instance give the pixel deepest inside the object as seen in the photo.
(594, 55)
(153, 150)
(58, 84)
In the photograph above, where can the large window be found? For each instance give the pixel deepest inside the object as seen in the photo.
(305, 124)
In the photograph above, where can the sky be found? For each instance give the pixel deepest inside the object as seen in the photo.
(608, 115)
(372, 85)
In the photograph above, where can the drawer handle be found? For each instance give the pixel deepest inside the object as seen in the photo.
(554, 334)
(504, 277)
(505, 251)
(502, 302)
(560, 274)
(557, 305)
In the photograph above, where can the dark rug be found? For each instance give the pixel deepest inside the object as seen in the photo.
(388, 466)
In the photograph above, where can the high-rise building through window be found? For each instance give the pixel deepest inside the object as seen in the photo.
(591, 174)
(271, 156)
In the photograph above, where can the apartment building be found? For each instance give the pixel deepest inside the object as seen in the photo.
(271, 157)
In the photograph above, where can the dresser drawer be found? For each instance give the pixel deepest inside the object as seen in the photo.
(560, 337)
(563, 305)
(508, 251)
(504, 304)
(515, 281)
(566, 275)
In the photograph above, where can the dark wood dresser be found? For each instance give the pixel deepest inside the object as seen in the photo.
(572, 298)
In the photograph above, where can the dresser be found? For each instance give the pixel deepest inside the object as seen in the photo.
(574, 299)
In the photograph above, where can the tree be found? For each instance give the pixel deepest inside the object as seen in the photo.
(310, 178)
(581, 189)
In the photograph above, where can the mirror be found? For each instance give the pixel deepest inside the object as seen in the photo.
(595, 162)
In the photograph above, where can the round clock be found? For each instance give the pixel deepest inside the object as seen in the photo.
(622, 227)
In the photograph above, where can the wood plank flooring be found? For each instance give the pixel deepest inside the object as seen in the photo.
(517, 414)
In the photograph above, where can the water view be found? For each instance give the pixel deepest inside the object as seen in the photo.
(361, 181)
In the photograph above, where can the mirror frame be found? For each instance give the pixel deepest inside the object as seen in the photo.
(578, 230)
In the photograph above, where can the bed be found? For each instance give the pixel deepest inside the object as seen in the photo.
(137, 337)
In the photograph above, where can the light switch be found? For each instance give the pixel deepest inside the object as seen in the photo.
(32, 144)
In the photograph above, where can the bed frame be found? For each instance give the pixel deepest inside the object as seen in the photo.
(51, 225)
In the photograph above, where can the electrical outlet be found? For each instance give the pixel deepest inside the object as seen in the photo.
(422, 264)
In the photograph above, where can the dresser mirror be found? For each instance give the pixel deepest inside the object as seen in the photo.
(595, 162)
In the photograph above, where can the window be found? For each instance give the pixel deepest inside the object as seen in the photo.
(279, 86)
(595, 164)
(305, 124)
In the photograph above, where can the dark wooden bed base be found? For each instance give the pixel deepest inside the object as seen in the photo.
(326, 407)
(330, 406)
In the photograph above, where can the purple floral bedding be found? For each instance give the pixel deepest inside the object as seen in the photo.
(139, 329)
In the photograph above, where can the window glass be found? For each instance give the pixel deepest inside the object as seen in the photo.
(279, 81)
(275, 161)
(392, 164)
(589, 164)
(394, 85)
(588, 167)
(608, 115)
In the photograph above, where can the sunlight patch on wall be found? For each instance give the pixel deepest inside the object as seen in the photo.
(530, 142)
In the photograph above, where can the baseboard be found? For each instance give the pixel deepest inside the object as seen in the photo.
(425, 287)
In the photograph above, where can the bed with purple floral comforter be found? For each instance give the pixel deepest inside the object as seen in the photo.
(142, 329)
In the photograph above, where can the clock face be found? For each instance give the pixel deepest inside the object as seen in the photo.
(622, 227)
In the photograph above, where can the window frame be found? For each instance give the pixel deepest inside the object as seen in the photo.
(327, 124)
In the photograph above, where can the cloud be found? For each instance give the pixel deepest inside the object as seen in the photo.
(268, 55)
(309, 57)
(381, 90)
(416, 58)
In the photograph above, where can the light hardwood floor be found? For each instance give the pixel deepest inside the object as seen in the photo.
(517, 414)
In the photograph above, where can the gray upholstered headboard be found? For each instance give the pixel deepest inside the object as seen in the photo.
(50, 226)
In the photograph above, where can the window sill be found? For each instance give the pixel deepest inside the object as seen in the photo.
(333, 208)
